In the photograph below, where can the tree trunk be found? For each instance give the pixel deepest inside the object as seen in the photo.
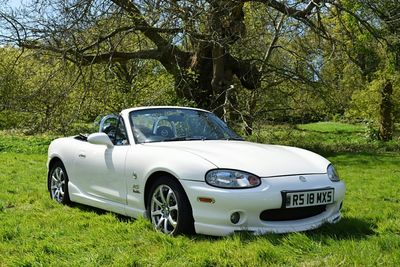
(208, 75)
(386, 113)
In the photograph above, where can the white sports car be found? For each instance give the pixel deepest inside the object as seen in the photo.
(186, 171)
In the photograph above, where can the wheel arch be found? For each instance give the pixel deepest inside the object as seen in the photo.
(156, 175)
(52, 162)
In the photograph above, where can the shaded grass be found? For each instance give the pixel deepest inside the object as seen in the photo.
(326, 138)
(35, 231)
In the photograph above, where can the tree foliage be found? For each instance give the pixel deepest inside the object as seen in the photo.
(250, 61)
(39, 93)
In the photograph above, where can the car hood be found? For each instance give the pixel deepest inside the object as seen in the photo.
(259, 159)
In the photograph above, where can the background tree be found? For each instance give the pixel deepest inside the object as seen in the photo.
(376, 52)
(192, 40)
(40, 93)
(253, 61)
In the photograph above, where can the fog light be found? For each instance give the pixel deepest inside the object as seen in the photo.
(235, 217)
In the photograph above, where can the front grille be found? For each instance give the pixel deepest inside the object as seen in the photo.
(291, 214)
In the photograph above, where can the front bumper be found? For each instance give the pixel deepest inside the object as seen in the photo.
(214, 218)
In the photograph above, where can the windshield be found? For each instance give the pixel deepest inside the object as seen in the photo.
(174, 124)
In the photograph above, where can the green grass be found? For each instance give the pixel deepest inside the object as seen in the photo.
(326, 137)
(335, 127)
(19, 143)
(35, 231)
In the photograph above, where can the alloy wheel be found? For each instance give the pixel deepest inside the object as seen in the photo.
(57, 184)
(164, 209)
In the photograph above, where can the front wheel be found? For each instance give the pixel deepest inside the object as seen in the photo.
(169, 208)
(58, 183)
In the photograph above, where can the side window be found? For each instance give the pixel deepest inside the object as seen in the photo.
(120, 134)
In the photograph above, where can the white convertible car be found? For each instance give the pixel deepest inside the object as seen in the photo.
(186, 171)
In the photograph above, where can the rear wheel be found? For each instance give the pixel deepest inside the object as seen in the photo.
(169, 208)
(58, 183)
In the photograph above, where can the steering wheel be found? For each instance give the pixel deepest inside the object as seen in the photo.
(165, 132)
(110, 130)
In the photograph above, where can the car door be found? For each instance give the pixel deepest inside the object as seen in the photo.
(100, 170)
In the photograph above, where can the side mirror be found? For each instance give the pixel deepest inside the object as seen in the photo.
(100, 139)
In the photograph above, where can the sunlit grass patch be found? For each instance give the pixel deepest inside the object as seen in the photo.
(332, 127)
(20, 143)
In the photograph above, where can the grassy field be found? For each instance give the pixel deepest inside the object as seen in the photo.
(327, 137)
(35, 231)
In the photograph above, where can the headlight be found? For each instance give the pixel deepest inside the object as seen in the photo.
(332, 174)
(232, 179)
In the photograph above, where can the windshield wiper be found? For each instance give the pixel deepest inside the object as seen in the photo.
(235, 138)
(183, 138)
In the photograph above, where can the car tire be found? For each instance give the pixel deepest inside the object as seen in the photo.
(57, 182)
(168, 207)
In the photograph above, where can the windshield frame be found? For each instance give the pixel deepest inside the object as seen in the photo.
(222, 126)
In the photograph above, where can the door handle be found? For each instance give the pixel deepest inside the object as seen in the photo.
(82, 155)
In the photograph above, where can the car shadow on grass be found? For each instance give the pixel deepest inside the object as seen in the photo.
(100, 212)
(349, 228)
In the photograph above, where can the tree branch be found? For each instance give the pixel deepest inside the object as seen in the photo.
(363, 22)
(116, 56)
(299, 14)
(139, 21)
(34, 45)
(78, 58)
(271, 46)
(128, 29)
